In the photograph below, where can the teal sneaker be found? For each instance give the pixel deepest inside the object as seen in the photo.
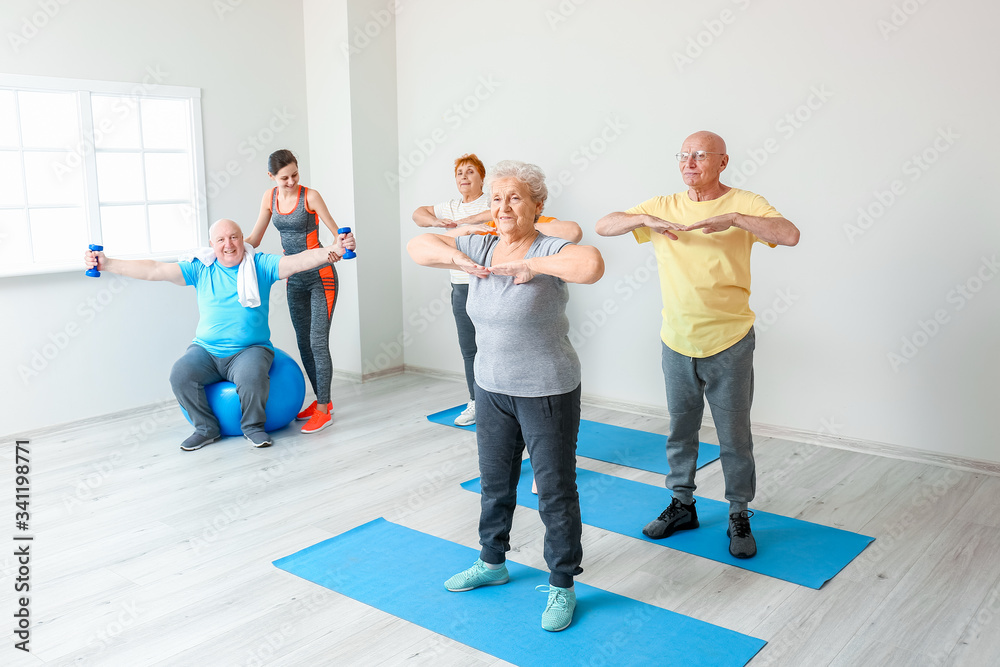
(476, 576)
(559, 610)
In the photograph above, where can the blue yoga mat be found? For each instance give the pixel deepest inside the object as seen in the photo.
(801, 552)
(402, 572)
(615, 444)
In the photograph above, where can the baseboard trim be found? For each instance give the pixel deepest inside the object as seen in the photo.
(876, 448)
(435, 373)
(128, 413)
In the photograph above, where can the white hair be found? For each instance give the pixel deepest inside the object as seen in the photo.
(529, 174)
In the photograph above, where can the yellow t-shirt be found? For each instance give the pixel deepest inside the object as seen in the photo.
(704, 278)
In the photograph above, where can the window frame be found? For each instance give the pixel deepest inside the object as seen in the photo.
(137, 91)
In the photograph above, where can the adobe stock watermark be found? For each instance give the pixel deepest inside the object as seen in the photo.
(786, 127)
(454, 117)
(223, 7)
(102, 470)
(236, 509)
(775, 481)
(266, 650)
(562, 12)
(365, 34)
(792, 636)
(784, 299)
(87, 311)
(899, 16)
(985, 615)
(586, 154)
(34, 23)
(958, 298)
(253, 145)
(125, 619)
(704, 39)
(625, 287)
(434, 481)
(419, 321)
(912, 518)
(122, 108)
(914, 168)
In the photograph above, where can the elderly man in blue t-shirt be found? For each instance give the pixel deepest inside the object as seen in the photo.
(232, 341)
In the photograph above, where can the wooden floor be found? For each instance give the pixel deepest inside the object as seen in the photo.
(147, 555)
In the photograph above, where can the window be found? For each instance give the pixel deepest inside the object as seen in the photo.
(84, 162)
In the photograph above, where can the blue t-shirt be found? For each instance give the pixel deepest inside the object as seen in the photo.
(224, 326)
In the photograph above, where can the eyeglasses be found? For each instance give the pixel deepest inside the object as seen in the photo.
(698, 156)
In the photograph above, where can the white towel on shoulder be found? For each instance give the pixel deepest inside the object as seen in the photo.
(247, 290)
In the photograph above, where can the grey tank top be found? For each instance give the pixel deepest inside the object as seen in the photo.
(299, 230)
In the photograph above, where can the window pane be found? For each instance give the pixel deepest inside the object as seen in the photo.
(123, 229)
(14, 247)
(119, 177)
(170, 229)
(8, 120)
(168, 176)
(59, 235)
(12, 190)
(53, 178)
(49, 120)
(116, 122)
(165, 124)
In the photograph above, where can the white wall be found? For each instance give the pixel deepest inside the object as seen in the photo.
(823, 106)
(540, 82)
(249, 64)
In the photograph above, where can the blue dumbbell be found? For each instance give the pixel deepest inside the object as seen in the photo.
(93, 272)
(348, 254)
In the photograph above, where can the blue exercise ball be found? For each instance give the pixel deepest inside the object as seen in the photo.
(284, 399)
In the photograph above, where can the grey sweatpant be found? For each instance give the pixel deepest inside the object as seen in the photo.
(726, 379)
(248, 370)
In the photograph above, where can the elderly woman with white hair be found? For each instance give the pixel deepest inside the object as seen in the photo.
(527, 376)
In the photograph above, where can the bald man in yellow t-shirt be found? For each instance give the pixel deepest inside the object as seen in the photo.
(702, 239)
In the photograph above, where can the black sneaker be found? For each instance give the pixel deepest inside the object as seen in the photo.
(197, 441)
(259, 439)
(676, 517)
(741, 542)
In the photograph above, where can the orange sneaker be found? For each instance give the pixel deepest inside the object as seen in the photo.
(307, 413)
(318, 422)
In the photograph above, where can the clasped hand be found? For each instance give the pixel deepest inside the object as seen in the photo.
(718, 223)
(519, 269)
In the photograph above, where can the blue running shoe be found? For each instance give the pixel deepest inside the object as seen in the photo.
(559, 610)
(476, 576)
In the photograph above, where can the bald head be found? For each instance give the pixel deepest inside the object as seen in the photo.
(226, 238)
(702, 176)
(714, 143)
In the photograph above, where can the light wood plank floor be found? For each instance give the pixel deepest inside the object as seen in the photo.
(147, 555)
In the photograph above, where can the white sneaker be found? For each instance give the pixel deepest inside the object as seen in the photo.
(468, 416)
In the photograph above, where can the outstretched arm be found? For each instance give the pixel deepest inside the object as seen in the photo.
(616, 224)
(476, 219)
(574, 264)
(424, 217)
(439, 251)
(142, 269)
(778, 231)
(289, 265)
(563, 229)
(263, 218)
